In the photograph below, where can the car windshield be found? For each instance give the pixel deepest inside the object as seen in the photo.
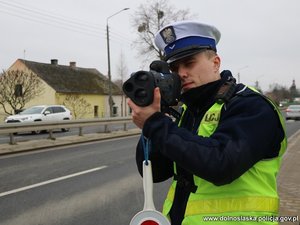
(33, 110)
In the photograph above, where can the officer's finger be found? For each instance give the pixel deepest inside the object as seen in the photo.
(131, 104)
(157, 97)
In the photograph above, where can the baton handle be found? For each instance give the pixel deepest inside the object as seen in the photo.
(148, 186)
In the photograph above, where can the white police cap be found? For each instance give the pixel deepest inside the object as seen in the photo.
(185, 38)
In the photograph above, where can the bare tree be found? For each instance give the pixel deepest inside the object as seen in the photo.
(278, 93)
(123, 74)
(78, 106)
(150, 18)
(17, 88)
(122, 69)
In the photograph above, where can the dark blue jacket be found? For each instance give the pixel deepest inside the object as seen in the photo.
(249, 130)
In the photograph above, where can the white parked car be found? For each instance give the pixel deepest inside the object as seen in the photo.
(293, 112)
(41, 113)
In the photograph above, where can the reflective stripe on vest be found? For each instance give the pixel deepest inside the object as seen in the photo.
(224, 205)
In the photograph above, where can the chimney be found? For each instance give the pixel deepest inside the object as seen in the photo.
(54, 62)
(73, 65)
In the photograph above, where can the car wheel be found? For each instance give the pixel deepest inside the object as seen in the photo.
(65, 129)
(36, 132)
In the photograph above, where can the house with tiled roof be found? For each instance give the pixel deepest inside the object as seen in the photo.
(65, 80)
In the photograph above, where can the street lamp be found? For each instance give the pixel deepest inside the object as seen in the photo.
(110, 100)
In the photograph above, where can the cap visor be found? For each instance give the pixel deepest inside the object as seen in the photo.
(182, 53)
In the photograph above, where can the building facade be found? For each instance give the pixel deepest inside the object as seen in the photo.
(85, 91)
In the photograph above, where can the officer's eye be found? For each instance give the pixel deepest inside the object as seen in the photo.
(188, 63)
(174, 67)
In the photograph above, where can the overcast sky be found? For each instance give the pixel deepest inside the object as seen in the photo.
(260, 38)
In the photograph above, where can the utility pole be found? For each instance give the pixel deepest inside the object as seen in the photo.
(110, 100)
(239, 75)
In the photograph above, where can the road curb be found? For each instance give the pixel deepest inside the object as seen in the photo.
(294, 139)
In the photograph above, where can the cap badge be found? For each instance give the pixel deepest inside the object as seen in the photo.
(168, 35)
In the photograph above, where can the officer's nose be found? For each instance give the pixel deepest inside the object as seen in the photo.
(182, 72)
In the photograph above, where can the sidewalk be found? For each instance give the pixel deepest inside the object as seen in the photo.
(289, 180)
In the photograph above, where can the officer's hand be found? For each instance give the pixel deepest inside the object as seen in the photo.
(141, 114)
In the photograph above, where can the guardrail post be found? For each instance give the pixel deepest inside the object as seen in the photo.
(51, 137)
(12, 139)
(125, 126)
(106, 129)
(80, 131)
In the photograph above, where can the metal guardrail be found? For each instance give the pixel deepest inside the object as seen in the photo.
(11, 128)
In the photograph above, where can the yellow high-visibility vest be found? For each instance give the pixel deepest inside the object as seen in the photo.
(249, 199)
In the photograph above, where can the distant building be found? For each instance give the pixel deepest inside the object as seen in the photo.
(61, 81)
(295, 93)
(293, 90)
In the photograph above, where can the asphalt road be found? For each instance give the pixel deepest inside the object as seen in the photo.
(86, 184)
(292, 127)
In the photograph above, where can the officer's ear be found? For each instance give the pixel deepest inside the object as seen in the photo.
(217, 63)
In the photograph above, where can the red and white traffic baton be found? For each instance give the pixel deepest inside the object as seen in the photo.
(149, 215)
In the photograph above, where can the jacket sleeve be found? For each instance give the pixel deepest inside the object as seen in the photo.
(249, 130)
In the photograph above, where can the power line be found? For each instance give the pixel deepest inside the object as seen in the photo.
(20, 10)
(120, 36)
(50, 15)
(53, 24)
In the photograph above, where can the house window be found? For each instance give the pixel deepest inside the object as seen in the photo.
(18, 90)
(115, 110)
(96, 113)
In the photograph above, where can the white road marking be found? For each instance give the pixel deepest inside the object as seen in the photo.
(50, 181)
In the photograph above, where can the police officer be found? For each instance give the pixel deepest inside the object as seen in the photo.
(225, 152)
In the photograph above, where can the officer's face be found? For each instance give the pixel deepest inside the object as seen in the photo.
(197, 70)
